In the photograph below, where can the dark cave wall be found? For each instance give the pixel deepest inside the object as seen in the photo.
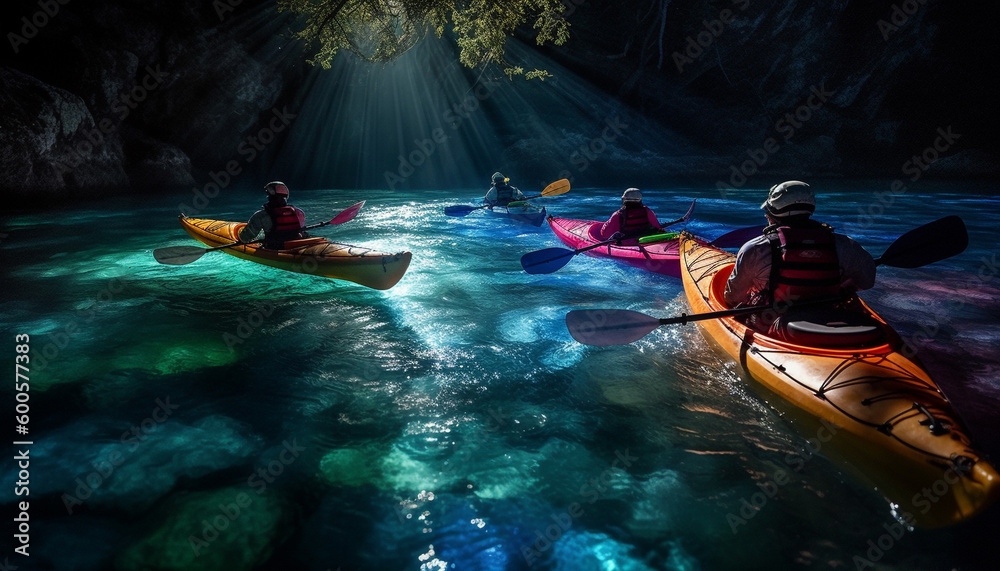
(732, 75)
(131, 96)
(110, 96)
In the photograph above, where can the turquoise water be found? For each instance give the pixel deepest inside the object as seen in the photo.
(224, 415)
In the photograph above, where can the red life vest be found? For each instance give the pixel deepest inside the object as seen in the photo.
(285, 225)
(804, 263)
(634, 219)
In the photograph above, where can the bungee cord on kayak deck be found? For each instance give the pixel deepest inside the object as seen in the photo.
(857, 379)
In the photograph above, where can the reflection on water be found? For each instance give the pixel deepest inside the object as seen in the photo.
(450, 422)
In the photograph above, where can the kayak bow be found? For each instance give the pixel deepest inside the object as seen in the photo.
(894, 427)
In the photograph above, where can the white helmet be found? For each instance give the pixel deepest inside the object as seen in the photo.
(632, 195)
(790, 198)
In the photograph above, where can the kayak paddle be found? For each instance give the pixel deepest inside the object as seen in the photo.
(181, 255)
(606, 327)
(932, 242)
(918, 247)
(657, 238)
(555, 189)
(737, 237)
(551, 259)
(682, 218)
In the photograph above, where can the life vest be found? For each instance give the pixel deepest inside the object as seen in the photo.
(634, 220)
(505, 194)
(285, 225)
(804, 263)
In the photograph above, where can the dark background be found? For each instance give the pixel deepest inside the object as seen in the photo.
(216, 78)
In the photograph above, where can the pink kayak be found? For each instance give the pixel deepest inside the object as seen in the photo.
(659, 257)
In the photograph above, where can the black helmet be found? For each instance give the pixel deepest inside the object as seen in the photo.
(498, 177)
(276, 188)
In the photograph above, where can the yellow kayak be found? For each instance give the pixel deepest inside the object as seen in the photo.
(874, 409)
(314, 256)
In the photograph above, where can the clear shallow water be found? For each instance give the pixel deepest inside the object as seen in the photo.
(451, 422)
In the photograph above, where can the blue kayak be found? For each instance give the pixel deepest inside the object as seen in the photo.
(527, 214)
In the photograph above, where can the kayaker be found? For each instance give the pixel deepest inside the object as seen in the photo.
(795, 259)
(501, 193)
(278, 220)
(634, 219)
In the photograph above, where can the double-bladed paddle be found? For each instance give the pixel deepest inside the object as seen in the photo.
(551, 259)
(181, 255)
(921, 246)
(555, 189)
(737, 237)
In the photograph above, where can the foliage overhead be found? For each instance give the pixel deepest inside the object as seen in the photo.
(382, 30)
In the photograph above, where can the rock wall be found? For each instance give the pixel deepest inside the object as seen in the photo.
(135, 96)
(123, 96)
(843, 88)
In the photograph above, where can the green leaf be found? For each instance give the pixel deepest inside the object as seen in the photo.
(382, 30)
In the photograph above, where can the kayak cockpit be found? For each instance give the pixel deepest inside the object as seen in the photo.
(849, 325)
(835, 329)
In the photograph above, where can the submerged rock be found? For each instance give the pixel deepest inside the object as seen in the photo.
(110, 466)
(227, 528)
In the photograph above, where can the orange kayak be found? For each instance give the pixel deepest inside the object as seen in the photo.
(315, 256)
(873, 407)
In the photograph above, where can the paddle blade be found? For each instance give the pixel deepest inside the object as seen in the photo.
(607, 327)
(927, 244)
(682, 218)
(687, 215)
(546, 261)
(556, 188)
(178, 255)
(737, 237)
(460, 210)
(348, 214)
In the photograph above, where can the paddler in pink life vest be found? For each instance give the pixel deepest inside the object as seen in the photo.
(633, 219)
(501, 193)
(795, 259)
(278, 220)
